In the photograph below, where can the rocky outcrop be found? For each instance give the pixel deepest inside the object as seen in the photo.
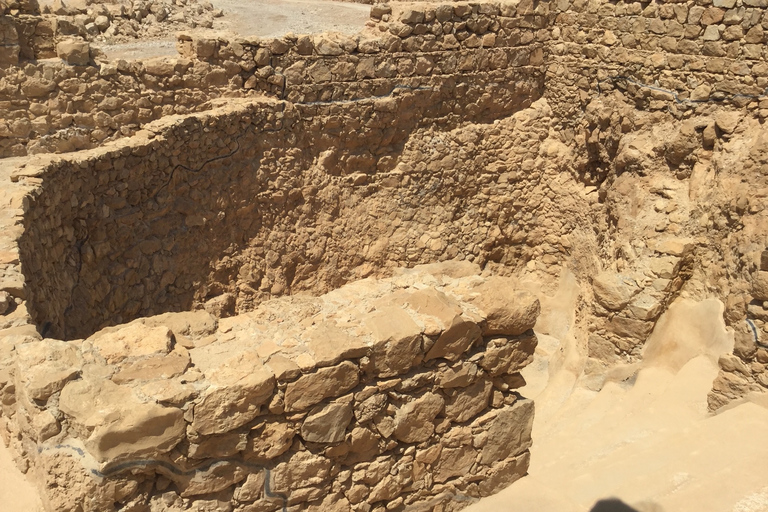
(392, 391)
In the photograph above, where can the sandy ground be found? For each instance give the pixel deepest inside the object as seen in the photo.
(642, 440)
(16, 493)
(263, 18)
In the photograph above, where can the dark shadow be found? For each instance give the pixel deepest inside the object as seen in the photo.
(612, 505)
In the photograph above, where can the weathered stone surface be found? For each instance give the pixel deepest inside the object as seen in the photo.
(329, 344)
(630, 327)
(220, 476)
(163, 366)
(396, 341)
(469, 402)
(218, 446)
(507, 311)
(238, 389)
(457, 338)
(370, 407)
(271, 439)
(133, 340)
(45, 366)
(454, 462)
(508, 355)
(324, 383)
(614, 291)
(302, 470)
(459, 376)
(414, 422)
(760, 285)
(509, 433)
(328, 423)
(123, 426)
(76, 53)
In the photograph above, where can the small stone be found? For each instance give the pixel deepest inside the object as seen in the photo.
(324, 383)
(132, 340)
(760, 285)
(507, 312)
(75, 53)
(469, 402)
(727, 121)
(613, 291)
(6, 301)
(455, 340)
(328, 423)
(509, 434)
(414, 422)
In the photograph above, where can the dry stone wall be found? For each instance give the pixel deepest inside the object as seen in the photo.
(142, 229)
(55, 107)
(391, 394)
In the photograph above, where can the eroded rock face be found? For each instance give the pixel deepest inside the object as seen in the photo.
(120, 424)
(369, 420)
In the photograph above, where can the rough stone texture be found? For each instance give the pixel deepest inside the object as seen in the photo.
(519, 138)
(239, 418)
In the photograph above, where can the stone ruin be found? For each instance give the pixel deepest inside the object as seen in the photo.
(204, 299)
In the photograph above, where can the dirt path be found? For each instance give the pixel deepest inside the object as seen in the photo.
(263, 18)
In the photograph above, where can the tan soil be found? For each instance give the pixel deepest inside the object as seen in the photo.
(262, 18)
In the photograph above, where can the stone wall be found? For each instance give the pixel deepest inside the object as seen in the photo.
(681, 56)
(55, 107)
(142, 231)
(676, 55)
(379, 395)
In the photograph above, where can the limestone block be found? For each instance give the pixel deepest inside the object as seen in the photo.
(461, 375)
(727, 121)
(218, 446)
(412, 16)
(45, 366)
(271, 440)
(469, 402)
(123, 426)
(509, 434)
(508, 355)
(329, 344)
(328, 423)
(370, 407)
(645, 306)
(613, 291)
(396, 340)
(163, 366)
(760, 285)
(455, 340)
(302, 470)
(252, 488)
(73, 52)
(454, 462)
(238, 388)
(220, 476)
(327, 47)
(191, 324)
(324, 383)
(133, 340)
(507, 311)
(414, 421)
(630, 327)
